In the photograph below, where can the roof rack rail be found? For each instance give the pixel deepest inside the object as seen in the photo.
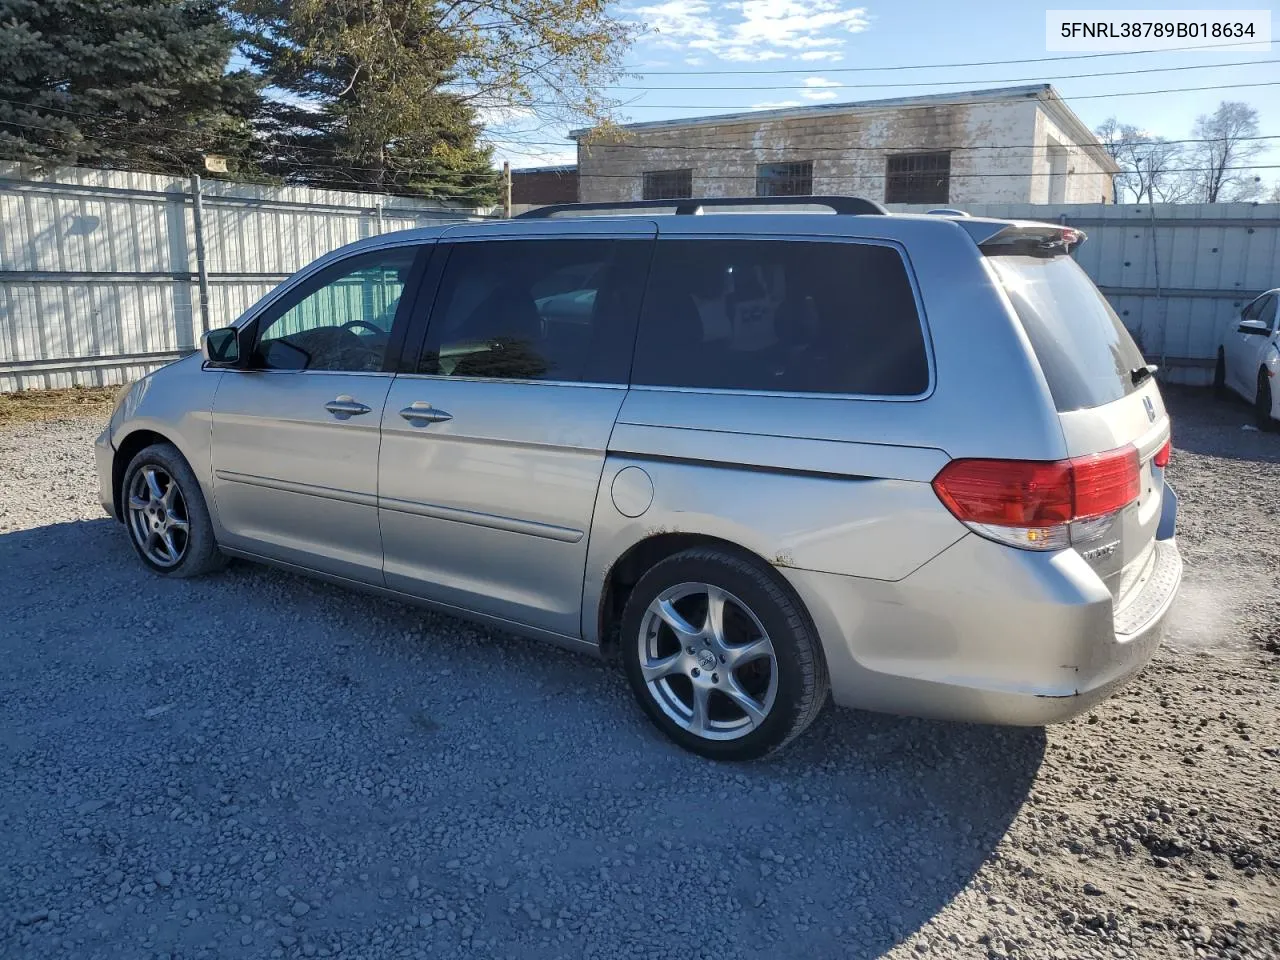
(695, 206)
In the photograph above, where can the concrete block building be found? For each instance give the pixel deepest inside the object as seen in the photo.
(1012, 144)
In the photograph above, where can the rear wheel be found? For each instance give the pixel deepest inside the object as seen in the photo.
(165, 513)
(1262, 403)
(721, 655)
(1220, 376)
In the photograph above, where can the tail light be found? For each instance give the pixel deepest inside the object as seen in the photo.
(1164, 454)
(1031, 504)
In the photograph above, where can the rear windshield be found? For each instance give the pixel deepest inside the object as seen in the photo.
(1086, 354)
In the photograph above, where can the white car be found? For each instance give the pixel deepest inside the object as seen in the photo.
(1249, 359)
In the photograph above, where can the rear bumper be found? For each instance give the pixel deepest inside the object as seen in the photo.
(989, 634)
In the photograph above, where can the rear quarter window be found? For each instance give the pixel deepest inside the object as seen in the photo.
(781, 315)
(1085, 352)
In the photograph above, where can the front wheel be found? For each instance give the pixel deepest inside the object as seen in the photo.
(722, 655)
(1262, 404)
(165, 512)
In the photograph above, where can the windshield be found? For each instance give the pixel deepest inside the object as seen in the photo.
(1087, 355)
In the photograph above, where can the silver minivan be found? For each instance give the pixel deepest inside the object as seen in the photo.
(761, 451)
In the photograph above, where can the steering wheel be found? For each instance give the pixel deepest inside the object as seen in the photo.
(373, 328)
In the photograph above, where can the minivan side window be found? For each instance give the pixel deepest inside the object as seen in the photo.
(537, 310)
(781, 315)
(340, 319)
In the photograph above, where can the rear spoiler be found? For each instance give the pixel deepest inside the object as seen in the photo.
(1026, 238)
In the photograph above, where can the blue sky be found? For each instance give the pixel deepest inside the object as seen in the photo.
(821, 37)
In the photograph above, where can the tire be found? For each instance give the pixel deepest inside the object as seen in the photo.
(1262, 404)
(161, 495)
(786, 686)
(1220, 377)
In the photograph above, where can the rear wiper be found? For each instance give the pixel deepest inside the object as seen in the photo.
(1139, 374)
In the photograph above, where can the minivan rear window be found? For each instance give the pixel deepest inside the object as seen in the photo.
(1087, 355)
(781, 315)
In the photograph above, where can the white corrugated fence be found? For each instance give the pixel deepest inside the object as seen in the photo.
(99, 274)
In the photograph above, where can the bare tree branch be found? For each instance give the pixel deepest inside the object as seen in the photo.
(1224, 155)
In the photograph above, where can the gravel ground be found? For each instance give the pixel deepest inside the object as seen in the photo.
(257, 765)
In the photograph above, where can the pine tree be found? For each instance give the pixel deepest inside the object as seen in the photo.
(362, 98)
(139, 84)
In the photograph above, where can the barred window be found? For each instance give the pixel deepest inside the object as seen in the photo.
(668, 184)
(918, 178)
(784, 179)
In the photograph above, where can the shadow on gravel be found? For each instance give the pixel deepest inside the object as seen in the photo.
(947, 792)
(367, 742)
(1223, 428)
(31, 559)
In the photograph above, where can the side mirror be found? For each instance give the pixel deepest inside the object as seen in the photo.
(222, 347)
(1256, 328)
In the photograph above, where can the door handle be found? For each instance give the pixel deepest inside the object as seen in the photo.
(420, 412)
(345, 407)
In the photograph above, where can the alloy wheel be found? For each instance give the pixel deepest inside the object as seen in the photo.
(158, 518)
(707, 661)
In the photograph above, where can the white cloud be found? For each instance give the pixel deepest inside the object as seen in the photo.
(518, 135)
(819, 88)
(501, 115)
(755, 30)
(694, 61)
(675, 20)
(775, 105)
(524, 157)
